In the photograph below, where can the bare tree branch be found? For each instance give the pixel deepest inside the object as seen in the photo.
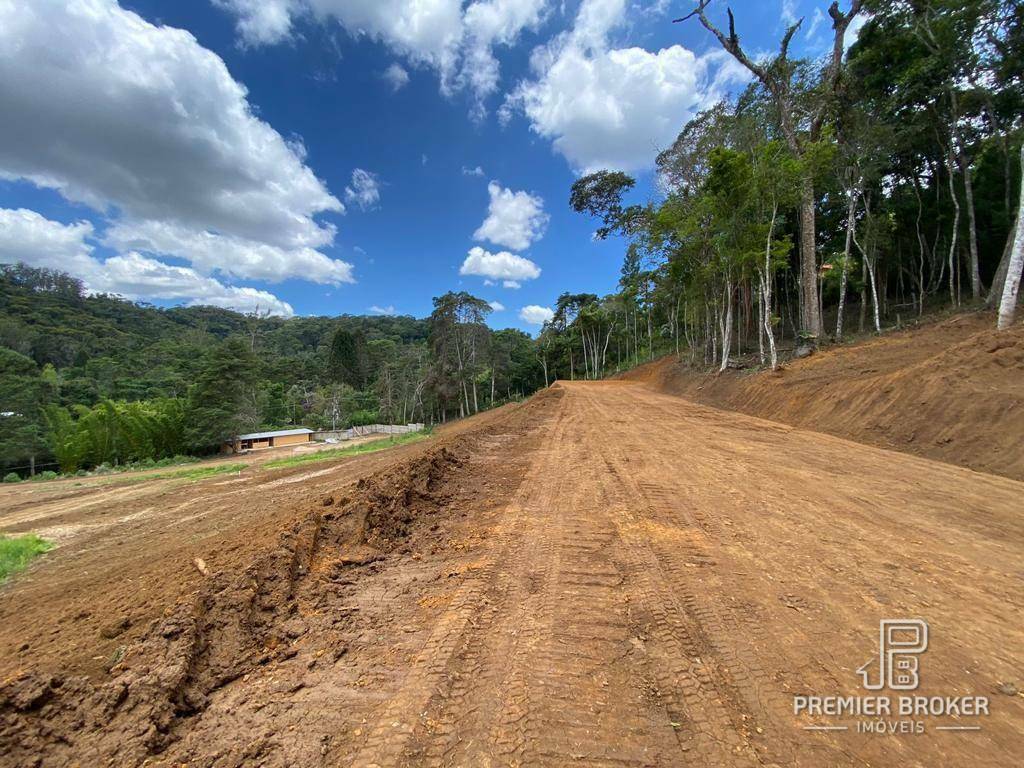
(730, 43)
(784, 47)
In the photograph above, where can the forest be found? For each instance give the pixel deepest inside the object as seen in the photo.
(848, 194)
(95, 380)
(832, 197)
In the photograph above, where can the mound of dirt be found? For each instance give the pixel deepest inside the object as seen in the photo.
(234, 623)
(952, 391)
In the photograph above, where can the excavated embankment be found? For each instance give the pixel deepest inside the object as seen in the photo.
(234, 623)
(951, 390)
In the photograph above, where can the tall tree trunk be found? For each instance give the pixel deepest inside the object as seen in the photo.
(766, 294)
(726, 326)
(760, 318)
(921, 250)
(851, 211)
(675, 323)
(995, 292)
(874, 294)
(1008, 304)
(956, 230)
(650, 334)
(810, 311)
(965, 167)
(636, 349)
(870, 264)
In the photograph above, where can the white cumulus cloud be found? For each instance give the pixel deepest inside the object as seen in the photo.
(148, 128)
(388, 310)
(30, 238)
(535, 315)
(209, 253)
(261, 21)
(514, 219)
(497, 306)
(455, 38)
(853, 30)
(135, 277)
(504, 266)
(111, 110)
(605, 107)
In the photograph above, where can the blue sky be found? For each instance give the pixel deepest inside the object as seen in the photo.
(344, 156)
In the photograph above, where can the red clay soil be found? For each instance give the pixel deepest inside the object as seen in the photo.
(602, 576)
(951, 391)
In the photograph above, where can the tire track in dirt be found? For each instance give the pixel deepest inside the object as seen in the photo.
(702, 683)
(714, 552)
(606, 576)
(537, 677)
(644, 615)
(568, 693)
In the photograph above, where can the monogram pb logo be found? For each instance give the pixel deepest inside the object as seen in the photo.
(896, 666)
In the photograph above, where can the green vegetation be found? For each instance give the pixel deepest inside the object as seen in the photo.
(115, 432)
(16, 552)
(857, 190)
(854, 191)
(97, 382)
(191, 474)
(331, 454)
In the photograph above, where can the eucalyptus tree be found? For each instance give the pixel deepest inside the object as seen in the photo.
(458, 338)
(945, 78)
(774, 173)
(1011, 288)
(803, 99)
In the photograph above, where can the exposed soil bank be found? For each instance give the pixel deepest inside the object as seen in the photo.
(112, 654)
(951, 391)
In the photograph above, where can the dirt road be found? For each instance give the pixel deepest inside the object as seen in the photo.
(603, 576)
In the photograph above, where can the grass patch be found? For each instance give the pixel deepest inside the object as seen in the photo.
(342, 453)
(192, 473)
(18, 551)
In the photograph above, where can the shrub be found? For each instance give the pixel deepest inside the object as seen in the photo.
(17, 552)
(12, 477)
(47, 475)
(362, 418)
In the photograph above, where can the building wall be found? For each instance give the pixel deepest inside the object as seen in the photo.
(369, 429)
(291, 440)
(265, 443)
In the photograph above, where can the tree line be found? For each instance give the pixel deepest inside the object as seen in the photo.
(831, 196)
(849, 192)
(88, 381)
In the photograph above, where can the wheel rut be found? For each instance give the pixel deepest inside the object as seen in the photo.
(604, 576)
